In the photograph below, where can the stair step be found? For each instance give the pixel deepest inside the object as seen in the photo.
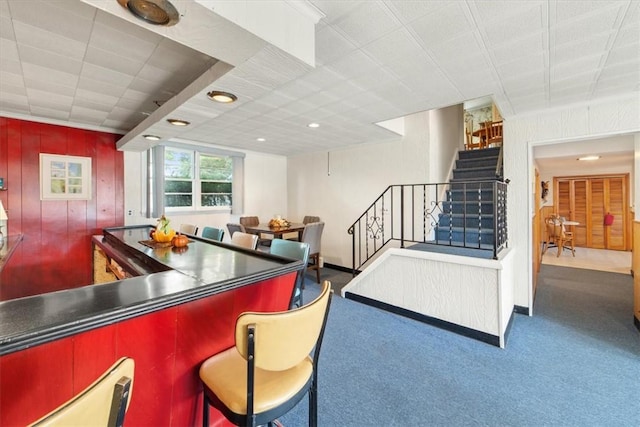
(480, 162)
(475, 154)
(469, 208)
(484, 185)
(470, 238)
(486, 195)
(457, 180)
(486, 171)
(471, 221)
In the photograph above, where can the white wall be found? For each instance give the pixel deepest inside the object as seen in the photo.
(338, 192)
(447, 137)
(521, 133)
(265, 192)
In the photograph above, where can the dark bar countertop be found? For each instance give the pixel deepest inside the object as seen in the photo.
(206, 268)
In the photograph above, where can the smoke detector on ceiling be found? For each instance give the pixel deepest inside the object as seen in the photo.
(156, 12)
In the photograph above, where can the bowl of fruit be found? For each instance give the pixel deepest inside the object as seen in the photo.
(163, 233)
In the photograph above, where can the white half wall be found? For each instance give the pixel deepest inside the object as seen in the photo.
(473, 293)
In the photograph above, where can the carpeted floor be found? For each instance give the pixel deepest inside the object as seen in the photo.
(576, 362)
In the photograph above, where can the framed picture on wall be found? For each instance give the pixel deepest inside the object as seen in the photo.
(65, 177)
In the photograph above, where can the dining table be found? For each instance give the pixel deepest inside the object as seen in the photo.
(481, 133)
(277, 232)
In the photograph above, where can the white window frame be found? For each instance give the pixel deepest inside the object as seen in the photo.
(196, 183)
(155, 161)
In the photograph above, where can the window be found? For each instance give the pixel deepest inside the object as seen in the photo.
(194, 180)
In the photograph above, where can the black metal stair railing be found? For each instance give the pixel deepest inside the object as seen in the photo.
(469, 214)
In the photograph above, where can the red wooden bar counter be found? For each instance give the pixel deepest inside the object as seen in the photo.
(53, 345)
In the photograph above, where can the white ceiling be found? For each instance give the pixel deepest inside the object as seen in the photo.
(616, 152)
(68, 62)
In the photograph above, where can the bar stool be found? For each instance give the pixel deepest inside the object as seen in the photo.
(104, 402)
(269, 370)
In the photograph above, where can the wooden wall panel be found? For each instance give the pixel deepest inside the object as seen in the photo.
(579, 211)
(55, 232)
(597, 212)
(615, 232)
(564, 196)
(587, 200)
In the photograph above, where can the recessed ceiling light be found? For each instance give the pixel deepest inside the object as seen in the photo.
(156, 12)
(178, 122)
(589, 158)
(224, 97)
(313, 125)
(152, 137)
(260, 139)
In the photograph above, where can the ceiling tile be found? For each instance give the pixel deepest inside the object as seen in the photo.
(449, 22)
(331, 45)
(529, 18)
(45, 40)
(407, 11)
(46, 59)
(6, 28)
(52, 16)
(359, 31)
(592, 24)
(43, 74)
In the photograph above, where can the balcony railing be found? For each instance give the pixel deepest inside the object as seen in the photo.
(470, 215)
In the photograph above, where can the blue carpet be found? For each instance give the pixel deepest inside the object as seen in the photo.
(576, 362)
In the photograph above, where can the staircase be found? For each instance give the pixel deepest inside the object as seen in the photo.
(467, 217)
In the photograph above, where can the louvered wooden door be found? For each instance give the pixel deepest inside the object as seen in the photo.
(614, 234)
(587, 200)
(597, 214)
(572, 205)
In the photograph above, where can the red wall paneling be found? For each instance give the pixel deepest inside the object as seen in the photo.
(57, 234)
(168, 347)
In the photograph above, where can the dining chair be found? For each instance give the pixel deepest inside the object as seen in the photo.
(233, 227)
(494, 133)
(213, 233)
(246, 240)
(308, 219)
(550, 239)
(104, 402)
(293, 250)
(312, 235)
(188, 229)
(270, 367)
(251, 221)
(470, 144)
(558, 235)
